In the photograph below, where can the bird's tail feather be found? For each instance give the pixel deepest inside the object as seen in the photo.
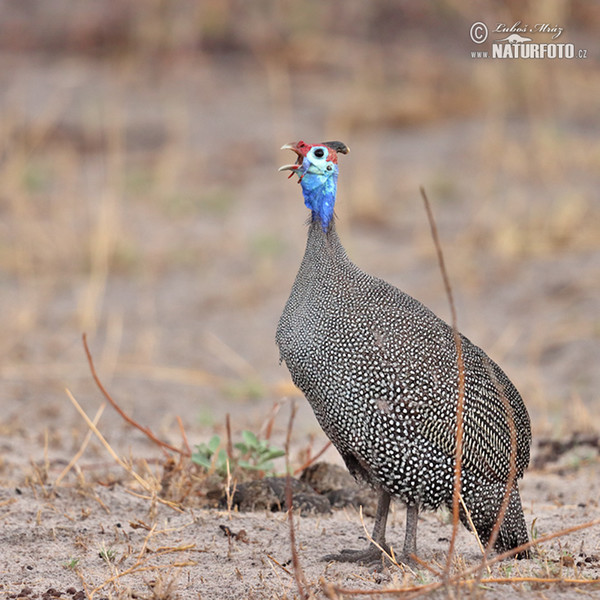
(484, 506)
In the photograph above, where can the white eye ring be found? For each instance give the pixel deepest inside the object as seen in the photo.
(319, 152)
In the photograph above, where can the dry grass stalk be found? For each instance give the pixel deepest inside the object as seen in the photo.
(461, 386)
(267, 428)
(298, 572)
(229, 447)
(284, 569)
(389, 555)
(421, 590)
(188, 450)
(84, 444)
(145, 430)
(463, 578)
(512, 470)
(151, 489)
(136, 569)
(230, 488)
(179, 375)
(472, 525)
(174, 505)
(313, 459)
(108, 447)
(456, 496)
(237, 363)
(144, 556)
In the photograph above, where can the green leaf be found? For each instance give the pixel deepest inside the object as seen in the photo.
(273, 453)
(214, 443)
(201, 460)
(242, 448)
(222, 459)
(250, 439)
(264, 466)
(244, 464)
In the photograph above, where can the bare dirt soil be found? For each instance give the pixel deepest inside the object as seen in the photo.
(106, 540)
(140, 203)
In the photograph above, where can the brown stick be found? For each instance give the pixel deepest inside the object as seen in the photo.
(461, 386)
(421, 589)
(298, 572)
(310, 461)
(267, 426)
(79, 453)
(145, 430)
(188, 451)
(512, 470)
(229, 442)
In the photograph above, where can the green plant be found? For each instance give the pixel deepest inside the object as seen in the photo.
(257, 454)
(72, 563)
(107, 554)
(534, 529)
(251, 454)
(211, 455)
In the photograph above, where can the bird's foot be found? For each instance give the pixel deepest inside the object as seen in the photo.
(369, 557)
(372, 557)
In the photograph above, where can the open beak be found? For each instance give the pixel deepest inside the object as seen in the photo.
(292, 167)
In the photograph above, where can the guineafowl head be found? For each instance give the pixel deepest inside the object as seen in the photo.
(317, 170)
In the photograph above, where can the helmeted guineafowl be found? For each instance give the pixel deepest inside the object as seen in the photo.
(380, 372)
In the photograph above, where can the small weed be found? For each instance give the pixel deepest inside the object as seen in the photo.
(252, 454)
(421, 577)
(107, 554)
(211, 456)
(257, 454)
(72, 563)
(534, 530)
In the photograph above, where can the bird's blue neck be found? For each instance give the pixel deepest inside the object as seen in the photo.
(319, 196)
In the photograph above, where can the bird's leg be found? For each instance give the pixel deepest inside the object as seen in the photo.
(383, 507)
(410, 535)
(372, 555)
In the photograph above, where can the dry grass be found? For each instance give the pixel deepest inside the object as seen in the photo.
(454, 576)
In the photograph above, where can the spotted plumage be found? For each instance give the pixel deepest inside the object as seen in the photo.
(380, 372)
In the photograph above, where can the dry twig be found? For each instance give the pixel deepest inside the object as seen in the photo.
(84, 444)
(298, 572)
(145, 430)
(461, 386)
(313, 459)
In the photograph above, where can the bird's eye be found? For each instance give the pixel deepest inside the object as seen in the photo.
(319, 153)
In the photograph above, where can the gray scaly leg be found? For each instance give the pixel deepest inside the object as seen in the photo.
(410, 536)
(372, 555)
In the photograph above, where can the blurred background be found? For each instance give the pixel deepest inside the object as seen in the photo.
(140, 200)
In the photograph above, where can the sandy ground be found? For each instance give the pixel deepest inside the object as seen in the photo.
(54, 538)
(140, 203)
